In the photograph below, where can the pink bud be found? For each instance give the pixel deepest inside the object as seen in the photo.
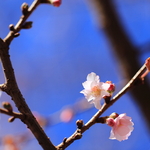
(111, 88)
(110, 122)
(56, 3)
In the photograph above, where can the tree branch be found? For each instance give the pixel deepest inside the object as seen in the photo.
(124, 50)
(78, 133)
(11, 88)
(20, 23)
(11, 113)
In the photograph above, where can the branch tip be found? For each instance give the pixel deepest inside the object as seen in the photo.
(7, 106)
(16, 34)
(11, 119)
(64, 140)
(11, 27)
(79, 124)
(24, 8)
(27, 25)
(78, 135)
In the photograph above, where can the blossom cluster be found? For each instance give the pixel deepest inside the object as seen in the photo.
(94, 91)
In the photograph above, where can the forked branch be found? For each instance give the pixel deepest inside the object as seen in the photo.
(11, 88)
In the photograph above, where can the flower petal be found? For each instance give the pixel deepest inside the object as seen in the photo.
(97, 104)
(87, 85)
(92, 77)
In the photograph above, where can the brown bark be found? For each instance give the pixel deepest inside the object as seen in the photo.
(11, 88)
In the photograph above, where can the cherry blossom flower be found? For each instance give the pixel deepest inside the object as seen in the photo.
(122, 126)
(94, 90)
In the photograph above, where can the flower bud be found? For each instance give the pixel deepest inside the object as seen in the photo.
(64, 140)
(11, 27)
(79, 123)
(111, 89)
(110, 122)
(7, 106)
(24, 8)
(11, 119)
(27, 25)
(78, 135)
(56, 3)
(113, 115)
(16, 34)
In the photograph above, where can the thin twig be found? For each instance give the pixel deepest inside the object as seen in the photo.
(105, 106)
(11, 113)
(22, 20)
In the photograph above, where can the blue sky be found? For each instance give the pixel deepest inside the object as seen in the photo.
(52, 59)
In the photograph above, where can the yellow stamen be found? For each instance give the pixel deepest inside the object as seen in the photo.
(96, 91)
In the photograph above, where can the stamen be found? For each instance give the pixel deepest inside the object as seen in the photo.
(96, 91)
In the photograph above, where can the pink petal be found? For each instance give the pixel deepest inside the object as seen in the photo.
(112, 135)
(123, 130)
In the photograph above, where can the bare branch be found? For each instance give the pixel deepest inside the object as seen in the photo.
(11, 113)
(10, 86)
(21, 22)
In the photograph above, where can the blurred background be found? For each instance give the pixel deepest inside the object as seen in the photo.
(51, 61)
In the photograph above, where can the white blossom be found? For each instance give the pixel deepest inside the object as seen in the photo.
(94, 90)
